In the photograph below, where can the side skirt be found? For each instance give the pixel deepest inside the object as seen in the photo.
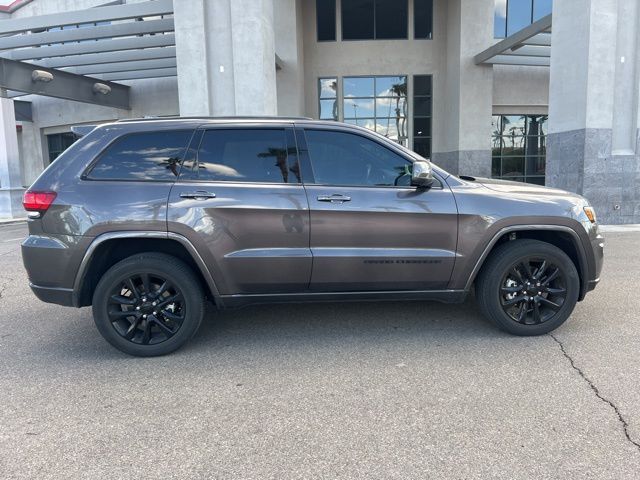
(240, 300)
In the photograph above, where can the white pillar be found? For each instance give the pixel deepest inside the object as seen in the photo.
(10, 177)
(592, 146)
(226, 57)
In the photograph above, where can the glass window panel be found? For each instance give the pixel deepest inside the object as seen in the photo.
(495, 125)
(326, 19)
(143, 156)
(535, 146)
(536, 180)
(369, 123)
(496, 164)
(358, 87)
(328, 87)
(328, 109)
(536, 124)
(541, 8)
(422, 84)
(423, 18)
(357, 19)
(513, 125)
(391, 86)
(348, 159)
(246, 155)
(391, 19)
(421, 127)
(422, 146)
(512, 166)
(518, 15)
(422, 106)
(359, 107)
(535, 165)
(391, 107)
(500, 19)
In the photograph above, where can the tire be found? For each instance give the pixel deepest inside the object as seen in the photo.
(127, 317)
(505, 298)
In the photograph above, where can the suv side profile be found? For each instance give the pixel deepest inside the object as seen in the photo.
(145, 219)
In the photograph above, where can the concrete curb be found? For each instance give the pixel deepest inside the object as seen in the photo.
(11, 221)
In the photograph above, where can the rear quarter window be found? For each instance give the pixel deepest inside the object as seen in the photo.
(148, 156)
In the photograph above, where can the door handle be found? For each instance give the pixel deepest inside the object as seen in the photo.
(199, 195)
(335, 198)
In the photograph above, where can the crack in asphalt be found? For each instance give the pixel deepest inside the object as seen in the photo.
(621, 419)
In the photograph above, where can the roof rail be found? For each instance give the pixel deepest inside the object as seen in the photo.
(239, 117)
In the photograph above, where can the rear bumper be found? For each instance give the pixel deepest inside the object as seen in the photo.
(59, 296)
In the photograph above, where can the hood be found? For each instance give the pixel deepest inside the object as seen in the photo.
(507, 186)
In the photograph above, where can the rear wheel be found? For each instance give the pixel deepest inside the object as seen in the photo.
(528, 287)
(148, 304)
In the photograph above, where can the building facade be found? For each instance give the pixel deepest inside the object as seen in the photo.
(562, 113)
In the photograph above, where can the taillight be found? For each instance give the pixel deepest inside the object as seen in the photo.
(37, 201)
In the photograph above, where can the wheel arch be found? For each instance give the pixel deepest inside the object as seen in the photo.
(565, 238)
(109, 248)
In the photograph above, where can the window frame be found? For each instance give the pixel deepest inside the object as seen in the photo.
(305, 158)
(87, 171)
(187, 174)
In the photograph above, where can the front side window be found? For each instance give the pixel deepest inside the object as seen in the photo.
(151, 156)
(511, 16)
(377, 103)
(339, 158)
(246, 155)
(519, 147)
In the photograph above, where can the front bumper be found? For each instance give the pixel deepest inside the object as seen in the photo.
(59, 296)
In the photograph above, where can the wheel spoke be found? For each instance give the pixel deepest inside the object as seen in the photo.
(132, 287)
(122, 313)
(523, 312)
(526, 268)
(556, 291)
(536, 313)
(174, 298)
(540, 270)
(549, 303)
(514, 289)
(161, 289)
(146, 283)
(122, 300)
(551, 277)
(172, 316)
(131, 331)
(514, 300)
(168, 331)
(146, 337)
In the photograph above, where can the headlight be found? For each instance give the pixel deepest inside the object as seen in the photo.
(590, 213)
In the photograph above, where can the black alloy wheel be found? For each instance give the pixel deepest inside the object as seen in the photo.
(148, 304)
(528, 287)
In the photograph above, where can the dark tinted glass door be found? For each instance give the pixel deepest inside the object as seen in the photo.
(241, 202)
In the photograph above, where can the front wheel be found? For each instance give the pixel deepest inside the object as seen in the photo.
(528, 287)
(148, 304)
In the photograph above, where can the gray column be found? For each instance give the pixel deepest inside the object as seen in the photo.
(10, 178)
(592, 145)
(465, 148)
(226, 57)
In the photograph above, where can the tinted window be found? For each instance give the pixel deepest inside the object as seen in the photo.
(391, 19)
(357, 19)
(518, 15)
(348, 159)
(326, 19)
(423, 18)
(247, 155)
(143, 156)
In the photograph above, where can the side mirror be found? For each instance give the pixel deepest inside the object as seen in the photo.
(421, 174)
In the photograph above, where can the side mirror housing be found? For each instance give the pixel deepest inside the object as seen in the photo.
(421, 174)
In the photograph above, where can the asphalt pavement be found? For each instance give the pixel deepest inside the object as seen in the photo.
(401, 390)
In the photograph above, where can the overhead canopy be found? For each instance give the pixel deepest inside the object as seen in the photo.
(110, 43)
(529, 46)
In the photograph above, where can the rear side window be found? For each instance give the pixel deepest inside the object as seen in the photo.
(246, 155)
(151, 156)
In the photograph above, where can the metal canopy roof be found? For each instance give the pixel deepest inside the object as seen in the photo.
(529, 46)
(110, 43)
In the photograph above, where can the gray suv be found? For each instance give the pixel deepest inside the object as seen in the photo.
(145, 219)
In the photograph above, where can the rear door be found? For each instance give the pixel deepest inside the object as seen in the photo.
(239, 199)
(371, 230)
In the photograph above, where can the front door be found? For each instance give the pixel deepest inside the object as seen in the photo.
(371, 230)
(240, 201)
